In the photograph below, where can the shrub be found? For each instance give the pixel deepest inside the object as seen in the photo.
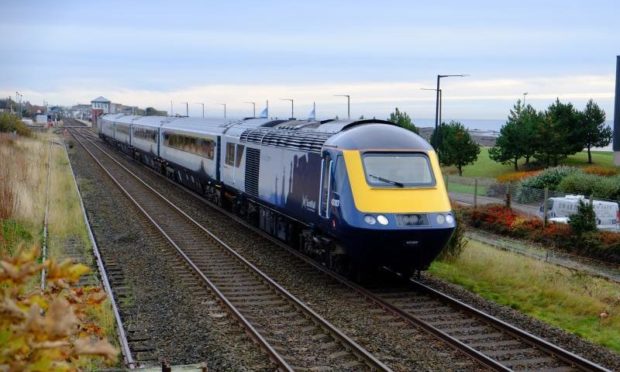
(601, 170)
(530, 189)
(516, 176)
(550, 177)
(11, 123)
(47, 330)
(590, 184)
(584, 220)
(495, 217)
(457, 242)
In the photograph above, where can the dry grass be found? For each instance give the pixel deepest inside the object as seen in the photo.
(23, 177)
(565, 298)
(65, 219)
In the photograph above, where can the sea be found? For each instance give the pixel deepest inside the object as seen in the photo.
(489, 127)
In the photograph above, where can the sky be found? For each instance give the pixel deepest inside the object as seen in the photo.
(381, 53)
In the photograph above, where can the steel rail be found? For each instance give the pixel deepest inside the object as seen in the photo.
(459, 345)
(362, 353)
(564, 355)
(129, 361)
(273, 354)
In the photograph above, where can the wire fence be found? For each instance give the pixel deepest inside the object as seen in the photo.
(504, 192)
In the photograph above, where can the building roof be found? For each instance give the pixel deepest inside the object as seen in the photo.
(101, 99)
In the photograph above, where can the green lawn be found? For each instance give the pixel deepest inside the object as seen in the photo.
(487, 168)
(567, 299)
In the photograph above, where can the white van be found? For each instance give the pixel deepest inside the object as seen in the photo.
(560, 209)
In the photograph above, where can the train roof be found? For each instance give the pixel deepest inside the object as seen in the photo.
(307, 135)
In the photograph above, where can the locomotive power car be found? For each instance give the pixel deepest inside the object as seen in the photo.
(353, 194)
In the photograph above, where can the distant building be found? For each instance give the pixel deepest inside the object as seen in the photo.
(6, 105)
(81, 111)
(101, 103)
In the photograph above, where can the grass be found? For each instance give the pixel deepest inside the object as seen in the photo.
(22, 178)
(487, 168)
(564, 298)
(23, 183)
(65, 219)
(466, 189)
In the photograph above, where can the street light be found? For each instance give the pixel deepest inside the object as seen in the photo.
(253, 108)
(437, 113)
(203, 108)
(20, 96)
(524, 94)
(223, 104)
(348, 103)
(292, 106)
(186, 109)
(440, 100)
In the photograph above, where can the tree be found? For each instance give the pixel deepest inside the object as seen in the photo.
(560, 133)
(403, 120)
(597, 134)
(150, 111)
(517, 136)
(584, 220)
(455, 146)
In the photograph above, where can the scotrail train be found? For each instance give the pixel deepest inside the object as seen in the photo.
(355, 195)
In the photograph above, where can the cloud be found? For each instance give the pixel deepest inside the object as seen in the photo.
(463, 97)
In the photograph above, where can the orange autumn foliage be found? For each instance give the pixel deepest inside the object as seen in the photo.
(47, 330)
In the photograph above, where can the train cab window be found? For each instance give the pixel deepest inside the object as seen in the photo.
(230, 154)
(240, 149)
(325, 185)
(398, 169)
(339, 174)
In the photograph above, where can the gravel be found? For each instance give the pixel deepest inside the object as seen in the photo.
(160, 307)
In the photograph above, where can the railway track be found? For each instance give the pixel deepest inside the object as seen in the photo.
(293, 335)
(493, 343)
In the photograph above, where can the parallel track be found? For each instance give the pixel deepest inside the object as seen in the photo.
(293, 335)
(494, 343)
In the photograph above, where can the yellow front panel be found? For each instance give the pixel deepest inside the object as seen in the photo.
(372, 199)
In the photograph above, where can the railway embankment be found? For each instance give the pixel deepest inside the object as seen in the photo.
(41, 209)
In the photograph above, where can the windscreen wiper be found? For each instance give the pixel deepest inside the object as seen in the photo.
(395, 183)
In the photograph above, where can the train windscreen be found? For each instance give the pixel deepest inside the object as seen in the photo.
(398, 170)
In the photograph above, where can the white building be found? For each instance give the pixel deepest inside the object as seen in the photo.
(101, 103)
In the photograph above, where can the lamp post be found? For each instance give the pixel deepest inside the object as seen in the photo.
(437, 113)
(524, 94)
(223, 104)
(19, 103)
(171, 108)
(203, 108)
(348, 103)
(253, 108)
(292, 106)
(440, 100)
(186, 109)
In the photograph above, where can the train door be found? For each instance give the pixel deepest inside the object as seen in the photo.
(326, 178)
(233, 153)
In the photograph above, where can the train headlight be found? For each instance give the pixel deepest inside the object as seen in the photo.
(441, 219)
(370, 219)
(382, 219)
(449, 219)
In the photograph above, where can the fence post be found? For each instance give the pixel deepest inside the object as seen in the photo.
(508, 195)
(475, 193)
(545, 207)
(446, 182)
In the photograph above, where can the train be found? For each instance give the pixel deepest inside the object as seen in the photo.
(355, 195)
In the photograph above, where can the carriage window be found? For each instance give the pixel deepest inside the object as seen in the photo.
(230, 154)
